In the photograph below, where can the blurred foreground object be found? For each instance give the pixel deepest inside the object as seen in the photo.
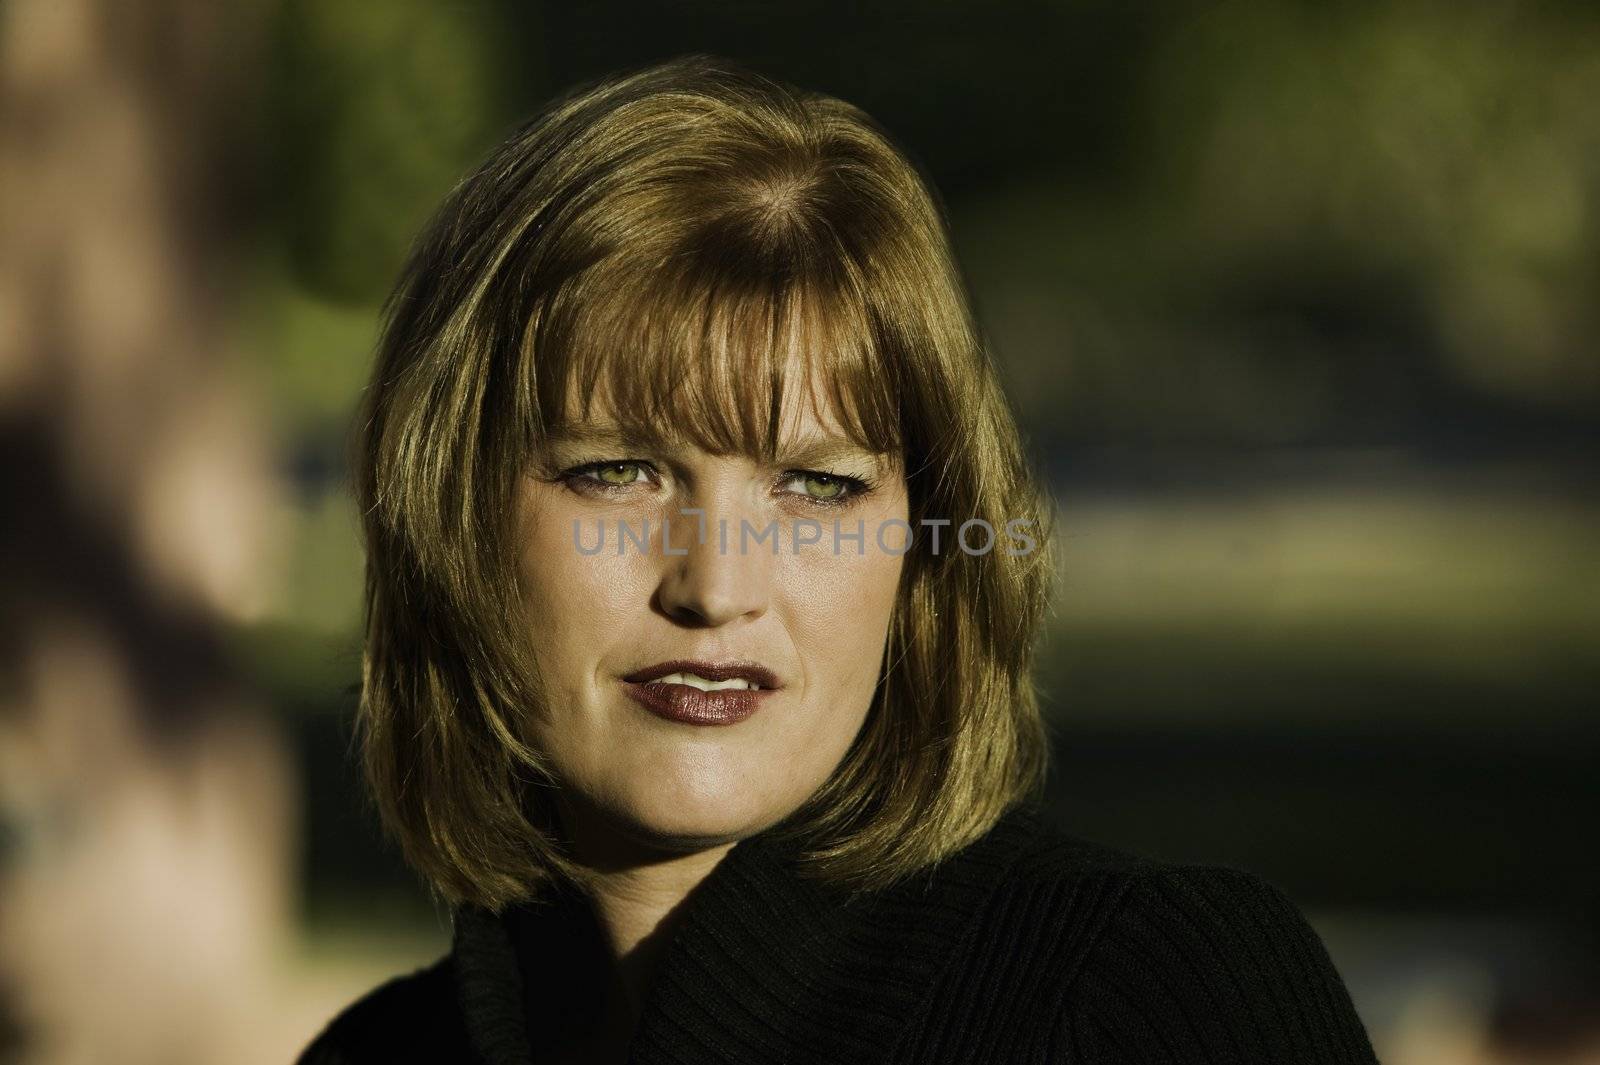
(145, 799)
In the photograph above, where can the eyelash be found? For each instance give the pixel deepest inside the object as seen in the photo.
(855, 488)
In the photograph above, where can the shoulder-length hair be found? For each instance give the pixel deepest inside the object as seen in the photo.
(673, 232)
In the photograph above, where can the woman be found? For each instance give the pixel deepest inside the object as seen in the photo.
(704, 570)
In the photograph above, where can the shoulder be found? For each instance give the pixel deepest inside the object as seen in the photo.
(1053, 892)
(1214, 959)
(1211, 962)
(411, 1017)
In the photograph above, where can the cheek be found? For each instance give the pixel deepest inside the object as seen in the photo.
(842, 606)
(576, 602)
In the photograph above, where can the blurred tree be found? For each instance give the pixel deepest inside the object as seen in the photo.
(379, 108)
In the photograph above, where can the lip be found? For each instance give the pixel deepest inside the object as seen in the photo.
(691, 706)
(754, 672)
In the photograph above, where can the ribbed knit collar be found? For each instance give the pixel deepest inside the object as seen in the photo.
(765, 965)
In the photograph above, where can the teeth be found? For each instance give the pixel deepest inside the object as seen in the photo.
(695, 681)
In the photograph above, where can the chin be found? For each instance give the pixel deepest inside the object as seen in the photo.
(678, 822)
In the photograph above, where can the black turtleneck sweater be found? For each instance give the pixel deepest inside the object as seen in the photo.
(1027, 946)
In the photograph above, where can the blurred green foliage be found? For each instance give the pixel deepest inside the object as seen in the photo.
(1349, 223)
(378, 109)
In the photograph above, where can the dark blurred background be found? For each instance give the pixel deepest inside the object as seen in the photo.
(1296, 303)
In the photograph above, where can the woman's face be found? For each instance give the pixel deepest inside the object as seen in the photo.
(660, 765)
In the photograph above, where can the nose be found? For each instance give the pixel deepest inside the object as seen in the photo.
(708, 580)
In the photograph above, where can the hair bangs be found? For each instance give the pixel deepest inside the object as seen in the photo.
(717, 356)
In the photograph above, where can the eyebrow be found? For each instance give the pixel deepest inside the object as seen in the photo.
(823, 450)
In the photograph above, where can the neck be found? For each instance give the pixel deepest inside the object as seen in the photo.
(636, 908)
(636, 894)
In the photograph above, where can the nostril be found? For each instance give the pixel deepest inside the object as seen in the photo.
(710, 596)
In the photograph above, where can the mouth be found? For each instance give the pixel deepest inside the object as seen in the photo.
(702, 693)
(708, 676)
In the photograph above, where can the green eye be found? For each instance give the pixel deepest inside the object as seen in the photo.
(600, 478)
(826, 487)
(833, 489)
(618, 473)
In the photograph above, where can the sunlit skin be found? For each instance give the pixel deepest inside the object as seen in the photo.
(654, 804)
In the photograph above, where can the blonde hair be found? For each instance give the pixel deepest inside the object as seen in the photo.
(670, 232)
